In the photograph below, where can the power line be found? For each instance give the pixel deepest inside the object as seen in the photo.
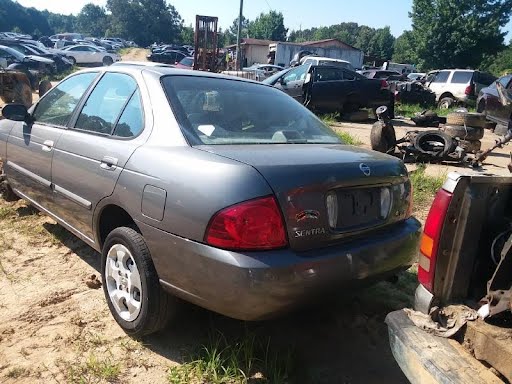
(266, 1)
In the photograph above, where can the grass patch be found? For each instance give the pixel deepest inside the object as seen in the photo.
(61, 75)
(330, 118)
(424, 186)
(409, 110)
(17, 372)
(125, 51)
(93, 370)
(348, 138)
(237, 361)
(7, 211)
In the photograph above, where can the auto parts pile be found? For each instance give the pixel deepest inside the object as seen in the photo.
(414, 93)
(456, 141)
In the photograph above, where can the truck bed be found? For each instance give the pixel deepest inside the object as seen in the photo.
(425, 358)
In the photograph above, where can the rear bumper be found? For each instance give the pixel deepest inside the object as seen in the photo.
(258, 285)
(425, 358)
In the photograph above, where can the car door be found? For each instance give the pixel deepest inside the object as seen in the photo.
(439, 82)
(30, 146)
(329, 88)
(292, 81)
(503, 111)
(90, 156)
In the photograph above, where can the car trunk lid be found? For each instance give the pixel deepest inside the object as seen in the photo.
(303, 176)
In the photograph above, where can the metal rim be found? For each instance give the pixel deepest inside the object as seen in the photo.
(444, 105)
(123, 282)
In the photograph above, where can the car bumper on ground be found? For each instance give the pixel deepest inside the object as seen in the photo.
(259, 285)
(425, 358)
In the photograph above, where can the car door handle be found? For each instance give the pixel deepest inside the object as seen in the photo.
(47, 146)
(109, 163)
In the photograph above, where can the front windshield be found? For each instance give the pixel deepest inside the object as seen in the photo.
(272, 79)
(217, 111)
(15, 53)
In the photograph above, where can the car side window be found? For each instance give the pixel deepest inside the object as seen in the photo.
(462, 77)
(60, 102)
(131, 122)
(348, 76)
(328, 74)
(505, 80)
(296, 74)
(442, 77)
(106, 103)
(308, 61)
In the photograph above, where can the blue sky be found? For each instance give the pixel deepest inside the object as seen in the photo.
(297, 13)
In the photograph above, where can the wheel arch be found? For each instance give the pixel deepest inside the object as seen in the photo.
(109, 217)
(447, 94)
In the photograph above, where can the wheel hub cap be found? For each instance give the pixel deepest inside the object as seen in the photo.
(123, 282)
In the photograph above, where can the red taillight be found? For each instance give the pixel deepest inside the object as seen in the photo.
(469, 90)
(430, 238)
(384, 84)
(397, 96)
(251, 225)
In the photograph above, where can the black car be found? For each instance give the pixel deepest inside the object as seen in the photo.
(32, 66)
(490, 102)
(332, 89)
(167, 57)
(61, 62)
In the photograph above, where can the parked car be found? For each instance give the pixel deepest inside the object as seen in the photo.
(332, 89)
(457, 86)
(167, 57)
(317, 60)
(263, 70)
(186, 63)
(489, 102)
(464, 259)
(255, 189)
(62, 63)
(34, 67)
(88, 54)
(383, 74)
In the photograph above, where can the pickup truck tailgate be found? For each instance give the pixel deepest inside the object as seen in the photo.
(425, 358)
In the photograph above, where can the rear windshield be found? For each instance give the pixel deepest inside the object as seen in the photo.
(218, 111)
(462, 77)
(340, 64)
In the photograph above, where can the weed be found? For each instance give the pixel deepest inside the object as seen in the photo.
(17, 372)
(125, 51)
(237, 361)
(7, 211)
(93, 370)
(330, 118)
(347, 138)
(61, 75)
(424, 186)
(409, 110)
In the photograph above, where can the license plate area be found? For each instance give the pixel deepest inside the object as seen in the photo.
(358, 208)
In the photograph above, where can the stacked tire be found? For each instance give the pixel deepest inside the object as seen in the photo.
(468, 128)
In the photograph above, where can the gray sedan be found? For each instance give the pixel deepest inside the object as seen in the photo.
(220, 191)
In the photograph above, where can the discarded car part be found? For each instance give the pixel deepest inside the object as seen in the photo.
(470, 146)
(44, 86)
(463, 132)
(434, 144)
(356, 116)
(15, 87)
(476, 162)
(426, 119)
(383, 136)
(205, 43)
(476, 120)
(414, 93)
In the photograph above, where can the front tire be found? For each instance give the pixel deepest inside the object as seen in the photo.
(446, 103)
(131, 284)
(107, 61)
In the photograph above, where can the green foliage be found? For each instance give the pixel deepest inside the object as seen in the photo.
(269, 26)
(92, 20)
(409, 110)
(187, 35)
(245, 360)
(14, 17)
(501, 64)
(404, 51)
(458, 33)
(424, 187)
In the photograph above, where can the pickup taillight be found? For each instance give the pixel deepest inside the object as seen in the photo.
(469, 90)
(429, 245)
(384, 84)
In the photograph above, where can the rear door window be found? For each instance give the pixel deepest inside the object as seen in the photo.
(106, 103)
(461, 77)
(328, 74)
(442, 77)
(131, 122)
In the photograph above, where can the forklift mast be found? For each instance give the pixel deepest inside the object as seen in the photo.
(205, 43)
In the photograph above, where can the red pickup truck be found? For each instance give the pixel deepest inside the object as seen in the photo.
(465, 258)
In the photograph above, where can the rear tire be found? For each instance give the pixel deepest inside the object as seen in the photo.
(464, 133)
(73, 60)
(477, 120)
(421, 143)
(131, 284)
(446, 103)
(107, 61)
(44, 86)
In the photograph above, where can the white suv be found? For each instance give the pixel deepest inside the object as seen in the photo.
(317, 60)
(453, 86)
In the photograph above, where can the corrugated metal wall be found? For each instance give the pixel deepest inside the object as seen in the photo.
(285, 53)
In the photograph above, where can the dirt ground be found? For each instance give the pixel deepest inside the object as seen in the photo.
(55, 326)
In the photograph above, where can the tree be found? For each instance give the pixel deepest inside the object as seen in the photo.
(230, 34)
(404, 49)
(269, 26)
(92, 20)
(458, 33)
(381, 44)
(499, 64)
(187, 35)
(144, 21)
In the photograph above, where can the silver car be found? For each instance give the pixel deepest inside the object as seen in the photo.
(220, 191)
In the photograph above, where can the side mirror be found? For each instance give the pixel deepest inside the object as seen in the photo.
(282, 81)
(16, 112)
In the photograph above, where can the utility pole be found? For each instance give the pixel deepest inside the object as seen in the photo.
(238, 38)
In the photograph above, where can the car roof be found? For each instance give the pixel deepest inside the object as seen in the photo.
(142, 64)
(79, 45)
(325, 59)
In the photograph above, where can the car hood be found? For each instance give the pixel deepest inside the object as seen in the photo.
(40, 59)
(301, 176)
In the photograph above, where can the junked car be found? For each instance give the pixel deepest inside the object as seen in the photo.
(89, 54)
(491, 103)
(217, 190)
